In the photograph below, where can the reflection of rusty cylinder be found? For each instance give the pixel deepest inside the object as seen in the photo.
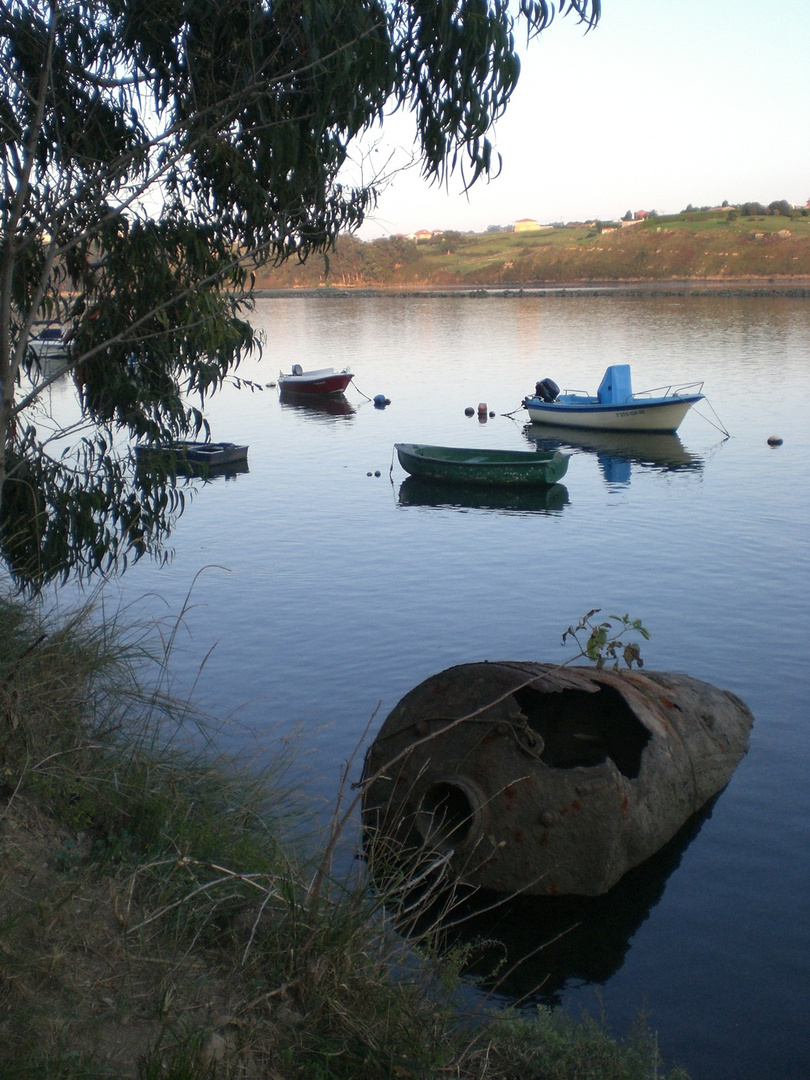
(539, 779)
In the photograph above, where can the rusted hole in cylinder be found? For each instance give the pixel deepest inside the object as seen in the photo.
(447, 814)
(582, 730)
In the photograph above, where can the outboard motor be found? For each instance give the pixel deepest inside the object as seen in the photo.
(546, 390)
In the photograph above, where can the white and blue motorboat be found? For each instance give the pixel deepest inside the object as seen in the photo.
(47, 342)
(615, 407)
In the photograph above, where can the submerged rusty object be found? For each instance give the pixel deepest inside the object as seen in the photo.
(546, 780)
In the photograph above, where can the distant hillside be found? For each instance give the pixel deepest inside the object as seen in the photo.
(718, 245)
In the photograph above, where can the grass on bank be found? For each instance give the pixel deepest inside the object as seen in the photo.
(156, 921)
(720, 245)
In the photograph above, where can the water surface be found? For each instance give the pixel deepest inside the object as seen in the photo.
(329, 585)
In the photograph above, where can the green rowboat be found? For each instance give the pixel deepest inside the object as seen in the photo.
(456, 465)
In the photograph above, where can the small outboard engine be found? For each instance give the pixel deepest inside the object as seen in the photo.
(547, 390)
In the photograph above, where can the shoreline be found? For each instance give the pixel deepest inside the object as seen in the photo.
(794, 288)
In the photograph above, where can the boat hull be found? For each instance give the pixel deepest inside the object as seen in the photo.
(223, 453)
(501, 468)
(323, 383)
(48, 351)
(661, 415)
(48, 344)
(195, 456)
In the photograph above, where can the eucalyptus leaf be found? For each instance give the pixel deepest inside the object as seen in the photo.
(154, 154)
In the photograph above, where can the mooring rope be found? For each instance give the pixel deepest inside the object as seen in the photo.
(719, 426)
(360, 392)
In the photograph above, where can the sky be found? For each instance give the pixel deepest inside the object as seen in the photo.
(663, 104)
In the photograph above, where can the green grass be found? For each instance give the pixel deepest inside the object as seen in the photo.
(714, 245)
(157, 920)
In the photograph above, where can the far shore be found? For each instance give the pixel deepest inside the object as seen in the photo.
(753, 287)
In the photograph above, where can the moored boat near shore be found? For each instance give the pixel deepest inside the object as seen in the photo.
(195, 458)
(47, 342)
(322, 383)
(461, 465)
(615, 407)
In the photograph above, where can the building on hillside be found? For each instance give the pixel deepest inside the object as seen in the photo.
(422, 235)
(637, 216)
(529, 225)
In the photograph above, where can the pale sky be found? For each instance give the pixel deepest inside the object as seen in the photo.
(665, 103)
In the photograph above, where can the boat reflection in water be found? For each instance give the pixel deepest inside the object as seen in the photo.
(228, 471)
(618, 451)
(157, 466)
(538, 946)
(317, 409)
(511, 500)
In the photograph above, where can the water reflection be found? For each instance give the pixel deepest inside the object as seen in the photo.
(201, 471)
(47, 366)
(618, 451)
(317, 409)
(545, 944)
(545, 500)
(160, 468)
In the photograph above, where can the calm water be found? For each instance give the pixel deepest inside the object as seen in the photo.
(329, 591)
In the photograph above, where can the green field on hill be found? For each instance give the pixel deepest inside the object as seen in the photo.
(703, 245)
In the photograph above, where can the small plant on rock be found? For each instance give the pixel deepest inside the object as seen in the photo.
(606, 644)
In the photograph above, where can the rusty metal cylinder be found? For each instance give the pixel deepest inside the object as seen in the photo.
(532, 778)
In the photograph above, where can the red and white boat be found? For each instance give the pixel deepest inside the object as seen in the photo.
(325, 382)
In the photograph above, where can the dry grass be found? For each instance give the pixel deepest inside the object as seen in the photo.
(156, 921)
